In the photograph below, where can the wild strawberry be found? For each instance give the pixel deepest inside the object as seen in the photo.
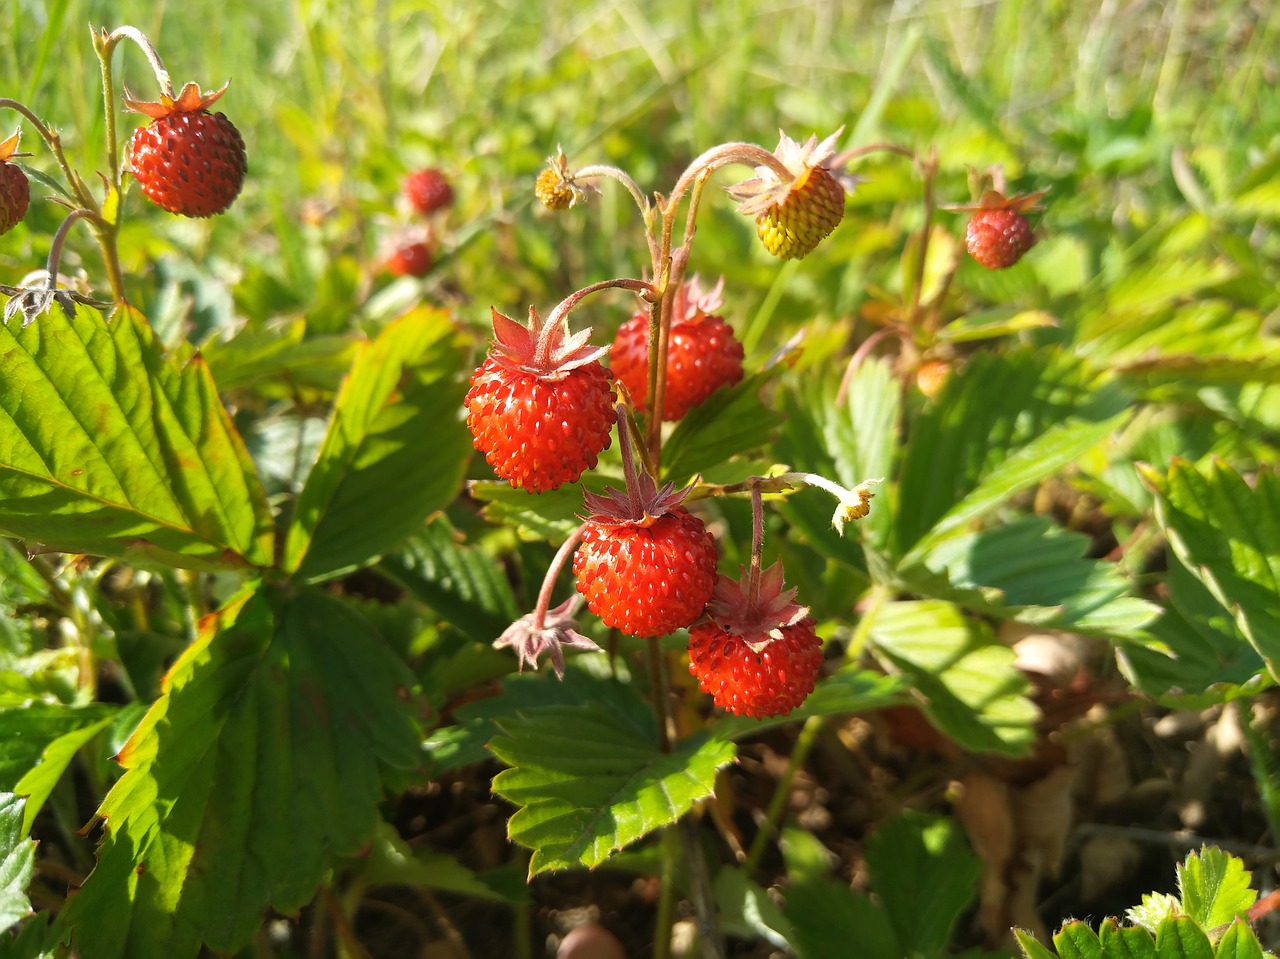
(702, 354)
(540, 406)
(932, 376)
(187, 160)
(428, 191)
(998, 233)
(410, 259)
(646, 565)
(757, 655)
(796, 213)
(15, 191)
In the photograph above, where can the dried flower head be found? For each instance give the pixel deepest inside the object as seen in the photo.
(556, 186)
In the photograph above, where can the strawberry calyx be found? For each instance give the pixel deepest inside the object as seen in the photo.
(767, 189)
(995, 200)
(533, 634)
(9, 147)
(756, 608)
(642, 503)
(190, 99)
(545, 349)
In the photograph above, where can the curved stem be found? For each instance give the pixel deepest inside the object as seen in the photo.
(110, 41)
(856, 153)
(748, 154)
(54, 141)
(571, 302)
(549, 580)
(757, 548)
(59, 240)
(778, 802)
(599, 169)
(859, 355)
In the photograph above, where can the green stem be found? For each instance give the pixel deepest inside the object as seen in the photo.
(665, 916)
(701, 891)
(778, 803)
(54, 141)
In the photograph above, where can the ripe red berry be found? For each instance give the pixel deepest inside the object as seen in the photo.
(998, 233)
(748, 683)
(646, 578)
(702, 353)
(410, 259)
(428, 191)
(187, 160)
(540, 406)
(757, 652)
(15, 191)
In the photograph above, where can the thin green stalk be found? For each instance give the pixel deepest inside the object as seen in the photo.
(665, 916)
(778, 803)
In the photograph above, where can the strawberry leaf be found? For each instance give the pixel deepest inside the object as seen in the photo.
(1227, 533)
(395, 451)
(1180, 937)
(108, 447)
(624, 786)
(258, 765)
(17, 859)
(971, 688)
(1215, 887)
(730, 422)
(27, 731)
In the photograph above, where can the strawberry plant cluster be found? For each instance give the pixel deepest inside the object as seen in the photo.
(393, 614)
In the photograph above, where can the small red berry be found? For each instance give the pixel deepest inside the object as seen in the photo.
(187, 160)
(15, 191)
(411, 259)
(540, 406)
(428, 191)
(998, 233)
(702, 353)
(646, 578)
(757, 652)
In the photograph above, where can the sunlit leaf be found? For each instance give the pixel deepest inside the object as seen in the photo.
(396, 449)
(1215, 887)
(107, 447)
(17, 859)
(39, 781)
(258, 765)
(972, 690)
(732, 421)
(1180, 937)
(589, 780)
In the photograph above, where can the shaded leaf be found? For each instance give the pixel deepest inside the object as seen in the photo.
(107, 447)
(17, 859)
(1076, 940)
(1001, 424)
(391, 860)
(38, 938)
(589, 780)
(1239, 942)
(745, 910)
(1228, 534)
(26, 732)
(972, 691)
(1180, 937)
(1126, 942)
(463, 585)
(925, 875)
(552, 515)
(256, 767)
(1035, 563)
(396, 449)
(848, 690)
(827, 916)
(731, 421)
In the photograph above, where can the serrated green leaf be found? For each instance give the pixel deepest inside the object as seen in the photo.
(27, 731)
(972, 690)
(1159, 281)
(17, 859)
(1215, 887)
(1125, 942)
(38, 938)
(1031, 949)
(1228, 534)
(1239, 942)
(1003, 423)
(39, 781)
(1036, 563)
(553, 515)
(107, 447)
(1076, 940)
(827, 916)
(731, 421)
(995, 323)
(464, 586)
(745, 910)
(925, 875)
(396, 449)
(1180, 937)
(281, 355)
(589, 781)
(257, 766)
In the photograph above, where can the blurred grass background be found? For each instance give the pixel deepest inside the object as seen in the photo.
(1134, 113)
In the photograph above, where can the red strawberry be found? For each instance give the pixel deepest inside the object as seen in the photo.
(540, 407)
(428, 191)
(702, 354)
(410, 259)
(646, 565)
(187, 160)
(998, 233)
(756, 655)
(15, 191)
